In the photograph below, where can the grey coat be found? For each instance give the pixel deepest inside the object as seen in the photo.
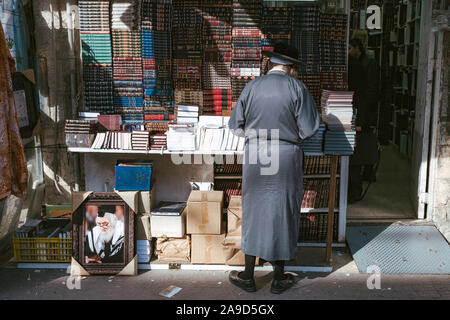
(272, 190)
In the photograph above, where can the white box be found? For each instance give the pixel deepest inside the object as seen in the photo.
(169, 226)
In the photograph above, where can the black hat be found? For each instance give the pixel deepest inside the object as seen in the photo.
(283, 54)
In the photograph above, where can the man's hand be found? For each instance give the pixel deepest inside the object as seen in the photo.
(358, 129)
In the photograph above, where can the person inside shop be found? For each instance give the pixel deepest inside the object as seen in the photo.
(275, 113)
(363, 78)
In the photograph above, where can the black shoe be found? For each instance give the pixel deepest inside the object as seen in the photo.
(247, 285)
(279, 286)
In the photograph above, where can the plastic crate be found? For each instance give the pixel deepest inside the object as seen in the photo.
(42, 249)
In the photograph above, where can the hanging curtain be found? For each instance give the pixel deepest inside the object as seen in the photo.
(13, 171)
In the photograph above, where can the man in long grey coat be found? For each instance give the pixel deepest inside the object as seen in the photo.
(276, 113)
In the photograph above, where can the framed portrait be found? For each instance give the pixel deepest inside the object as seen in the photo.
(103, 234)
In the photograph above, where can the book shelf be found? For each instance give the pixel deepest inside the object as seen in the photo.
(312, 221)
(325, 223)
(403, 63)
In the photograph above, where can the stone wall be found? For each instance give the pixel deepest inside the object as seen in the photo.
(55, 95)
(441, 214)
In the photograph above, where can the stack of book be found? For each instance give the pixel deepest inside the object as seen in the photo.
(337, 113)
(315, 143)
(127, 61)
(79, 133)
(88, 116)
(217, 100)
(340, 142)
(156, 127)
(158, 142)
(247, 16)
(276, 27)
(181, 137)
(217, 51)
(246, 58)
(189, 97)
(113, 140)
(187, 114)
(305, 37)
(125, 15)
(187, 52)
(333, 51)
(144, 250)
(140, 140)
(337, 110)
(305, 23)
(156, 56)
(96, 56)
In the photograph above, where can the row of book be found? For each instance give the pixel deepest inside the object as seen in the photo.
(316, 194)
(313, 165)
(220, 139)
(136, 140)
(228, 169)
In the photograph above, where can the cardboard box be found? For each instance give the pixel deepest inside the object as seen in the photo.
(232, 251)
(143, 227)
(168, 226)
(173, 250)
(207, 249)
(204, 215)
(146, 201)
(234, 216)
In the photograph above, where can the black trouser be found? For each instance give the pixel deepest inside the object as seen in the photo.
(250, 268)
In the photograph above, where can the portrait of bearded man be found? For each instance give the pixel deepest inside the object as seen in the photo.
(104, 243)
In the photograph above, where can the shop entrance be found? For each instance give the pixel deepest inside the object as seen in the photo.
(404, 128)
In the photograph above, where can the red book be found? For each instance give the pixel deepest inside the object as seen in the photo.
(110, 122)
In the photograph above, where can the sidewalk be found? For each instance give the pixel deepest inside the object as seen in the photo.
(345, 282)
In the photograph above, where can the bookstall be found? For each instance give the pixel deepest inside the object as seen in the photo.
(160, 79)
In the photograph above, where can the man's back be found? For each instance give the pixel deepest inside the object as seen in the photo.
(272, 102)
